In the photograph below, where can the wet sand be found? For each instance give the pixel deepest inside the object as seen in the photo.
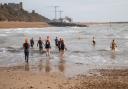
(15, 78)
(23, 24)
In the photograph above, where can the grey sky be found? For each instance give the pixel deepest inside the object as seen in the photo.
(80, 10)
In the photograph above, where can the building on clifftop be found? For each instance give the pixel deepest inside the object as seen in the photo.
(16, 6)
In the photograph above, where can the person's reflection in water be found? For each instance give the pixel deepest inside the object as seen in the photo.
(47, 66)
(61, 65)
(113, 55)
(32, 51)
(27, 67)
(40, 65)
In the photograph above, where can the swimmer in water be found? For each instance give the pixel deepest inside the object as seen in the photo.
(59, 44)
(32, 43)
(113, 45)
(26, 50)
(62, 48)
(47, 46)
(40, 43)
(93, 41)
(56, 41)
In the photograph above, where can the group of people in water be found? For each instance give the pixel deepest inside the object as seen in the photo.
(59, 43)
(113, 45)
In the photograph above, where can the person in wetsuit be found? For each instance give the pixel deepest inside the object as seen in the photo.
(113, 45)
(59, 42)
(40, 43)
(62, 47)
(26, 50)
(47, 46)
(56, 42)
(32, 42)
(93, 41)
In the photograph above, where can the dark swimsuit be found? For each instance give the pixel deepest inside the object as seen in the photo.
(94, 42)
(40, 44)
(26, 51)
(62, 46)
(32, 42)
(47, 44)
(56, 42)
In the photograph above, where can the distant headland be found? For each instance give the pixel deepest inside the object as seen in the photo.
(13, 15)
(16, 12)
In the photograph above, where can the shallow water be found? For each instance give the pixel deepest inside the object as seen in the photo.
(80, 56)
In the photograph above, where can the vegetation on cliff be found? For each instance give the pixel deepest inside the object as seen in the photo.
(15, 12)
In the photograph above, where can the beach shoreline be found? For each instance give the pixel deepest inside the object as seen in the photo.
(100, 79)
(23, 25)
(90, 68)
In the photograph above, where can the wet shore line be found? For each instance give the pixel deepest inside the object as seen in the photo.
(98, 79)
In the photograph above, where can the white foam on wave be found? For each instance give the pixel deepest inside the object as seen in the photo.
(8, 29)
(40, 31)
(117, 49)
(97, 60)
(3, 34)
(45, 31)
(125, 36)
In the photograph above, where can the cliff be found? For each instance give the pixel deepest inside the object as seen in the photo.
(15, 12)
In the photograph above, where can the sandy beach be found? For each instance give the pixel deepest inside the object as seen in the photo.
(23, 24)
(14, 78)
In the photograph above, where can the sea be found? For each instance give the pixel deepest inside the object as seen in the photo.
(79, 58)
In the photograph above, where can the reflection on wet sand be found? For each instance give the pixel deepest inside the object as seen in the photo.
(40, 65)
(113, 57)
(27, 67)
(48, 66)
(61, 65)
(31, 51)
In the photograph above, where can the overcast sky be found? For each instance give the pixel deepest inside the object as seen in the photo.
(80, 10)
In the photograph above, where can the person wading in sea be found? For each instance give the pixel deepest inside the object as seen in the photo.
(93, 41)
(59, 44)
(113, 45)
(26, 50)
(47, 46)
(40, 43)
(56, 41)
(32, 42)
(62, 48)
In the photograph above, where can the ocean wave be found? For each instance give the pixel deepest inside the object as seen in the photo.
(3, 34)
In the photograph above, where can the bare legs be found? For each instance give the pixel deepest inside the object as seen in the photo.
(48, 52)
(61, 53)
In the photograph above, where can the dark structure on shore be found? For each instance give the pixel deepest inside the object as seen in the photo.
(65, 24)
